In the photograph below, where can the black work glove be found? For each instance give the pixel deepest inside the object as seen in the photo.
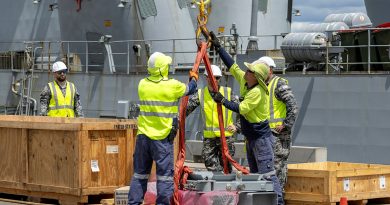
(172, 134)
(215, 41)
(217, 97)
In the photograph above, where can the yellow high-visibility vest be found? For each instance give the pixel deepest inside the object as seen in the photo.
(60, 105)
(254, 108)
(210, 114)
(158, 106)
(277, 108)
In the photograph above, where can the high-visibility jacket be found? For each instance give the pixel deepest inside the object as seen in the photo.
(60, 105)
(254, 107)
(277, 108)
(158, 106)
(210, 113)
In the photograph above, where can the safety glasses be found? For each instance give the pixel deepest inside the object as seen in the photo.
(61, 72)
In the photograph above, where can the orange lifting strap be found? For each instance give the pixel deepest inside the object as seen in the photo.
(181, 171)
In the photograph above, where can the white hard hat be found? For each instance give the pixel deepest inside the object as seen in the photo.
(59, 65)
(268, 60)
(216, 71)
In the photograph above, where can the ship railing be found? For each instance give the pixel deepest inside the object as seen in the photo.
(130, 56)
(364, 56)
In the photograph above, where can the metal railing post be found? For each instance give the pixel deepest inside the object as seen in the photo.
(327, 58)
(67, 56)
(86, 57)
(369, 51)
(173, 55)
(128, 58)
(275, 42)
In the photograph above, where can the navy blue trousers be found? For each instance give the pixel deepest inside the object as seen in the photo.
(260, 152)
(147, 151)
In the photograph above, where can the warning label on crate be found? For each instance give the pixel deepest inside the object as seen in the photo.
(95, 166)
(346, 184)
(382, 182)
(112, 149)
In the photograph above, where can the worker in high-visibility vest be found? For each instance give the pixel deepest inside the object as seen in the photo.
(157, 126)
(211, 151)
(253, 110)
(283, 110)
(60, 98)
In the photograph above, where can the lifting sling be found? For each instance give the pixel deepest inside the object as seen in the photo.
(181, 171)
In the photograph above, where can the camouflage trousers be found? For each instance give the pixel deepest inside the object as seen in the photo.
(212, 153)
(282, 148)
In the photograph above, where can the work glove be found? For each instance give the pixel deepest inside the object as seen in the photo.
(217, 97)
(193, 74)
(175, 127)
(172, 135)
(215, 41)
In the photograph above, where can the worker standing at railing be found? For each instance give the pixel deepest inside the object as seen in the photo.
(211, 151)
(157, 126)
(253, 110)
(60, 97)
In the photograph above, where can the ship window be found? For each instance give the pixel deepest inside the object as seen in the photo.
(182, 3)
(147, 8)
(263, 4)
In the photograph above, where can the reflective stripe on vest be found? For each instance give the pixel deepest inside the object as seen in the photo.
(158, 114)
(210, 115)
(277, 109)
(60, 105)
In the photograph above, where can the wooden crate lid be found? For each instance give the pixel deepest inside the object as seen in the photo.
(334, 166)
(71, 124)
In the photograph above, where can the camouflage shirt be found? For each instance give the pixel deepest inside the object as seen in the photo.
(193, 103)
(46, 96)
(284, 93)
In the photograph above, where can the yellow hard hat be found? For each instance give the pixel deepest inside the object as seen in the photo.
(158, 65)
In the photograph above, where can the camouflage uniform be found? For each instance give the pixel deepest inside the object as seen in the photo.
(46, 96)
(211, 151)
(282, 144)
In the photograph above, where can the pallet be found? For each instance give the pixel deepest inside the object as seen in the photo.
(45, 199)
(326, 182)
(379, 201)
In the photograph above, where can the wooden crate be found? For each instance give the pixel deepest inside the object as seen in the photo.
(326, 182)
(51, 157)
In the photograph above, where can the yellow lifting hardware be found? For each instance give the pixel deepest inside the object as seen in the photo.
(202, 18)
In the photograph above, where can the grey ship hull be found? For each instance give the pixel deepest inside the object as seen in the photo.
(346, 114)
